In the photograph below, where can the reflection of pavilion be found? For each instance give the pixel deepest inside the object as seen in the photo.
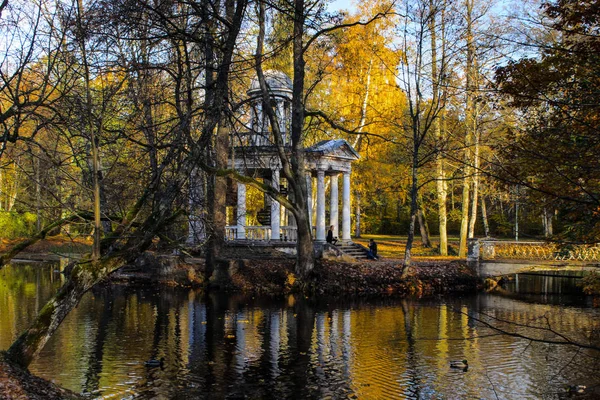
(255, 154)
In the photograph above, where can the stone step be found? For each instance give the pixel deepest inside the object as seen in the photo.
(353, 250)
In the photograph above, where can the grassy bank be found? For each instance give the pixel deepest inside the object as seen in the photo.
(392, 246)
(59, 244)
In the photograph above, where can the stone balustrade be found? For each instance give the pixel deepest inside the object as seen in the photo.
(484, 249)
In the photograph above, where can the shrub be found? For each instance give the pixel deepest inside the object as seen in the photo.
(591, 284)
(14, 225)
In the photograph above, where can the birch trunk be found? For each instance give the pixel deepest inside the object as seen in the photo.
(470, 125)
(441, 186)
(464, 221)
(358, 228)
(475, 196)
(423, 227)
(486, 225)
(11, 196)
(92, 135)
(358, 143)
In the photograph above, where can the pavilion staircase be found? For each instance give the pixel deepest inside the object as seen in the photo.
(264, 217)
(354, 250)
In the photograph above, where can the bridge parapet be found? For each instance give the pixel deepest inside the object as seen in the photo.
(511, 250)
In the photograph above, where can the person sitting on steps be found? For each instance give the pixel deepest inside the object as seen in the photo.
(330, 239)
(372, 253)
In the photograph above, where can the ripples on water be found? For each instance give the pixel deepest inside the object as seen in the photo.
(245, 348)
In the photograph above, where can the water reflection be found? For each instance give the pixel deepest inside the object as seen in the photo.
(222, 346)
(551, 286)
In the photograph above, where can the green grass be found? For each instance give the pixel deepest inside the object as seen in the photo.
(392, 246)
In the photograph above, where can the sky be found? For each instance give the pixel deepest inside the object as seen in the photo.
(341, 5)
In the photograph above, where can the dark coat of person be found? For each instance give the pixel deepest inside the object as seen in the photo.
(373, 249)
(329, 236)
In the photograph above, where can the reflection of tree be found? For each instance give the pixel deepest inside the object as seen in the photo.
(23, 289)
(197, 351)
(411, 353)
(542, 333)
(92, 375)
(305, 322)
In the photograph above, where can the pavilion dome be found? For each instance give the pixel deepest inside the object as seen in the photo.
(278, 83)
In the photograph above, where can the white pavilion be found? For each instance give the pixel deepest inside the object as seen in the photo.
(255, 155)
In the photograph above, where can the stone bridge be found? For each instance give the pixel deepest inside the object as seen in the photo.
(499, 257)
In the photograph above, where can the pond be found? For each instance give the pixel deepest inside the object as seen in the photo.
(238, 347)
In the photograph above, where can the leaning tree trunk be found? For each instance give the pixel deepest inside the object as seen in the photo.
(84, 276)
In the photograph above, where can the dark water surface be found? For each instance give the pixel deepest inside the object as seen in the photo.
(250, 348)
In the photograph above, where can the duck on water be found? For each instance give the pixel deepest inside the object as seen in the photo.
(464, 365)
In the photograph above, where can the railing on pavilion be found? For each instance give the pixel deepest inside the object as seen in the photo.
(251, 139)
(260, 233)
(496, 249)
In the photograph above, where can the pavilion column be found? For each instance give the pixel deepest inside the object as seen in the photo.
(281, 120)
(334, 205)
(275, 209)
(309, 200)
(241, 211)
(346, 208)
(320, 206)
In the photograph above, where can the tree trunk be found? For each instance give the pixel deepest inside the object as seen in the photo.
(547, 221)
(486, 225)
(88, 273)
(305, 256)
(83, 278)
(11, 197)
(38, 194)
(517, 213)
(442, 195)
(214, 140)
(414, 193)
(470, 126)
(441, 186)
(197, 208)
(305, 260)
(88, 122)
(464, 222)
(357, 227)
(358, 143)
(216, 196)
(475, 193)
(423, 226)
(1, 188)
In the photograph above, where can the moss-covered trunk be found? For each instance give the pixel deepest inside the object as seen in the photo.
(83, 277)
